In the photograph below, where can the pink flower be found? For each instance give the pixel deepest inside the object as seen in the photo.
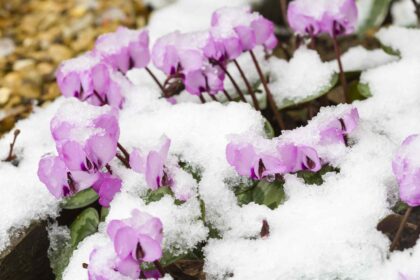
(181, 56)
(85, 144)
(107, 186)
(59, 180)
(236, 30)
(311, 17)
(338, 129)
(89, 79)
(124, 49)
(153, 165)
(406, 168)
(288, 158)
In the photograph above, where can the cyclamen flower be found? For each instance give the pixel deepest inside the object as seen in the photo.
(134, 241)
(152, 165)
(337, 130)
(86, 140)
(86, 136)
(59, 180)
(124, 49)
(181, 56)
(89, 79)
(406, 168)
(287, 159)
(312, 17)
(106, 187)
(235, 30)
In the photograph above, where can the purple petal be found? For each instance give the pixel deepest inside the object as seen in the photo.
(242, 157)
(53, 173)
(151, 248)
(101, 150)
(154, 170)
(246, 36)
(128, 267)
(74, 156)
(125, 242)
(137, 161)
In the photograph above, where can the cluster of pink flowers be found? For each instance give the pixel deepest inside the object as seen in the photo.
(312, 17)
(84, 146)
(406, 167)
(135, 241)
(288, 157)
(195, 61)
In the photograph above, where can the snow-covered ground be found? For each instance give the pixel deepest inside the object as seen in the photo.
(320, 232)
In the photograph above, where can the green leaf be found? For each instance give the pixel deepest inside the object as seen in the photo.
(315, 178)
(193, 170)
(157, 195)
(364, 90)
(400, 207)
(268, 129)
(84, 225)
(389, 50)
(375, 16)
(80, 199)
(358, 91)
(288, 103)
(270, 194)
(60, 254)
(104, 213)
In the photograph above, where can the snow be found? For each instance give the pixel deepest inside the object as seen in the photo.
(304, 75)
(320, 232)
(403, 13)
(359, 59)
(405, 40)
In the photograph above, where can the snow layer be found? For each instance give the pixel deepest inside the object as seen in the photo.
(360, 59)
(321, 232)
(403, 13)
(304, 75)
(329, 231)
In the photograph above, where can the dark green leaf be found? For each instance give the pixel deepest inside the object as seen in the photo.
(389, 50)
(59, 255)
(375, 16)
(270, 194)
(80, 199)
(157, 195)
(84, 225)
(400, 207)
(268, 129)
(104, 213)
(364, 90)
(315, 178)
(193, 170)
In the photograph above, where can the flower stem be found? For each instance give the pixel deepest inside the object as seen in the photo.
(340, 67)
(400, 229)
(248, 85)
(417, 6)
(123, 160)
(202, 99)
(159, 267)
(213, 97)
(227, 95)
(156, 80)
(11, 156)
(124, 151)
(235, 85)
(283, 7)
(270, 98)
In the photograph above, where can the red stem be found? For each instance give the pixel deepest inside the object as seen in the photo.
(232, 80)
(340, 67)
(227, 95)
(248, 85)
(156, 80)
(270, 98)
(10, 156)
(202, 99)
(400, 229)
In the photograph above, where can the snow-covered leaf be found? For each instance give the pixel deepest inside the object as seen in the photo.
(270, 194)
(84, 225)
(288, 103)
(375, 14)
